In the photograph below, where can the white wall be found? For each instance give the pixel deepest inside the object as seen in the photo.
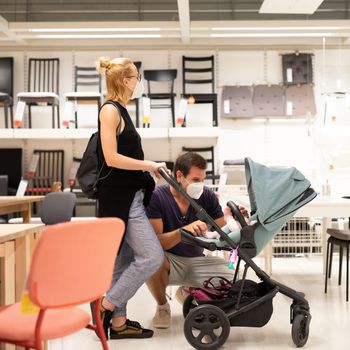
(306, 143)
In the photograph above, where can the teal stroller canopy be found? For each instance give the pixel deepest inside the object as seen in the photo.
(275, 194)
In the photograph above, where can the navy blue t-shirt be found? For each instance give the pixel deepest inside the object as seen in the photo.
(163, 206)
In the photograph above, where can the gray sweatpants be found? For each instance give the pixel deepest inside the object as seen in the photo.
(140, 256)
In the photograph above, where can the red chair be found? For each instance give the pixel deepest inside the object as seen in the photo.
(72, 264)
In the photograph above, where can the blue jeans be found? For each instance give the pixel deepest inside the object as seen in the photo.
(140, 256)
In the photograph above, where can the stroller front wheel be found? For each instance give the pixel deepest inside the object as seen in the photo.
(206, 327)
(300, 330)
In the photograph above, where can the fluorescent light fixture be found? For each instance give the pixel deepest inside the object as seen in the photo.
(96, 36)
(270, 35)
(290, 6)
(277, 28)
(64, 30)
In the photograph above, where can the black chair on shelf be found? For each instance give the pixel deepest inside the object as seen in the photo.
(43, 87)
(208, 154)
(50, 168)
(6, 88)
(193, 73)
(12, 167)
(138, 65)
(83, 77)
(341, 239)
(162, 75)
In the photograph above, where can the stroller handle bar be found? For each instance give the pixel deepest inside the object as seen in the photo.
(200, 212)
(237, 213)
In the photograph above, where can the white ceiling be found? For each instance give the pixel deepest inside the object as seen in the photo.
(182, 32)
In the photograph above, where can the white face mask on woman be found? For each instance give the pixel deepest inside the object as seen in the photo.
(195, 189)
(138, 90)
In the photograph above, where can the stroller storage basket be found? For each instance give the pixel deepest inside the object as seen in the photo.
(255, 308)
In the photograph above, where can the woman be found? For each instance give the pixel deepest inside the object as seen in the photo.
(122, 193)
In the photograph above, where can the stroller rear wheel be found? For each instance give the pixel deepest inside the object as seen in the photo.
(300, 329)
(206, 327)
(188, 305)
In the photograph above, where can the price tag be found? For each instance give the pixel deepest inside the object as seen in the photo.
(182, 111)
(33, 165)
(227, 106)
(18, 118)
(289, 108)
(289, 75)
(73, 173)
(146, 110)
(68, 113)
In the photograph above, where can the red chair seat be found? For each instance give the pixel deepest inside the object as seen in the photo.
(57, 323)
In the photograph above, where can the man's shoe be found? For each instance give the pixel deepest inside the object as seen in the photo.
(105, 315)
(162, 317)
(131, 329)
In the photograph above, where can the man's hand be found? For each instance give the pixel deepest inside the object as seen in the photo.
(197, 228)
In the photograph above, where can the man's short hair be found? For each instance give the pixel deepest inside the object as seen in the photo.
(187, 160)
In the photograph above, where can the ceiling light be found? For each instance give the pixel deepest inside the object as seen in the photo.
(48, 30)
(270, 35)
(278, 28)
(290, 6)
(96, 36)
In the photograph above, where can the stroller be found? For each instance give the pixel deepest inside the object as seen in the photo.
(275, 194)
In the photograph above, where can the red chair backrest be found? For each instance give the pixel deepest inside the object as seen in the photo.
(73, 262)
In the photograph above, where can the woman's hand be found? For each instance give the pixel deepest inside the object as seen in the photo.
(154, 166)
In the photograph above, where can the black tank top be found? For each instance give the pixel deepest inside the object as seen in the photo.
(129, 145)
(117, 191)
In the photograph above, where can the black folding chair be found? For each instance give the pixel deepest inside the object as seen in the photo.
(50, 168)
(162, 75)
(85, 76)
(43, 86)
(6, 88)
(193, 73)
(208, 154)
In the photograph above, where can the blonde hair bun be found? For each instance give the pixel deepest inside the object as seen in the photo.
(103, 64)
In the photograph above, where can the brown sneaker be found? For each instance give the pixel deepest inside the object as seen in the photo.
(105, 315)
(131, 329)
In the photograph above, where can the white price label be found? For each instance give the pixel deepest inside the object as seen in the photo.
(182, 111)
(227, 107)
(33, 165)
(289, 75)
(18, 118)
(289, 108)
(68, 113)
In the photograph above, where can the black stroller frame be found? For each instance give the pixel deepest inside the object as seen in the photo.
(207, 317)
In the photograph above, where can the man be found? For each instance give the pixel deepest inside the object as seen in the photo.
(168, 211)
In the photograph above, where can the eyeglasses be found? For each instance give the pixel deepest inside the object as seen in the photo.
(138, 77)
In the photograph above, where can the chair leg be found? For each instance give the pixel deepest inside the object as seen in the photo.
(215, 112)
(58, 117)
(6, 115)
(137, 107)
(326, 274)
(30, 116)
(11, 114)
(173, 111)
(347, 273)
(330, 261)
(340, 264)
(76, 119)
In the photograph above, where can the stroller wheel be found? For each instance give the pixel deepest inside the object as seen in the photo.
(300, 329)
(188, 305)
(206, 327)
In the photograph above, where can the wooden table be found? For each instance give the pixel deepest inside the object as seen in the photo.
(23, 205)
(16, 245)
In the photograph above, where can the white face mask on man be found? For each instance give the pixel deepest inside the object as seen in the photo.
(138, 90)
(195, 189)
